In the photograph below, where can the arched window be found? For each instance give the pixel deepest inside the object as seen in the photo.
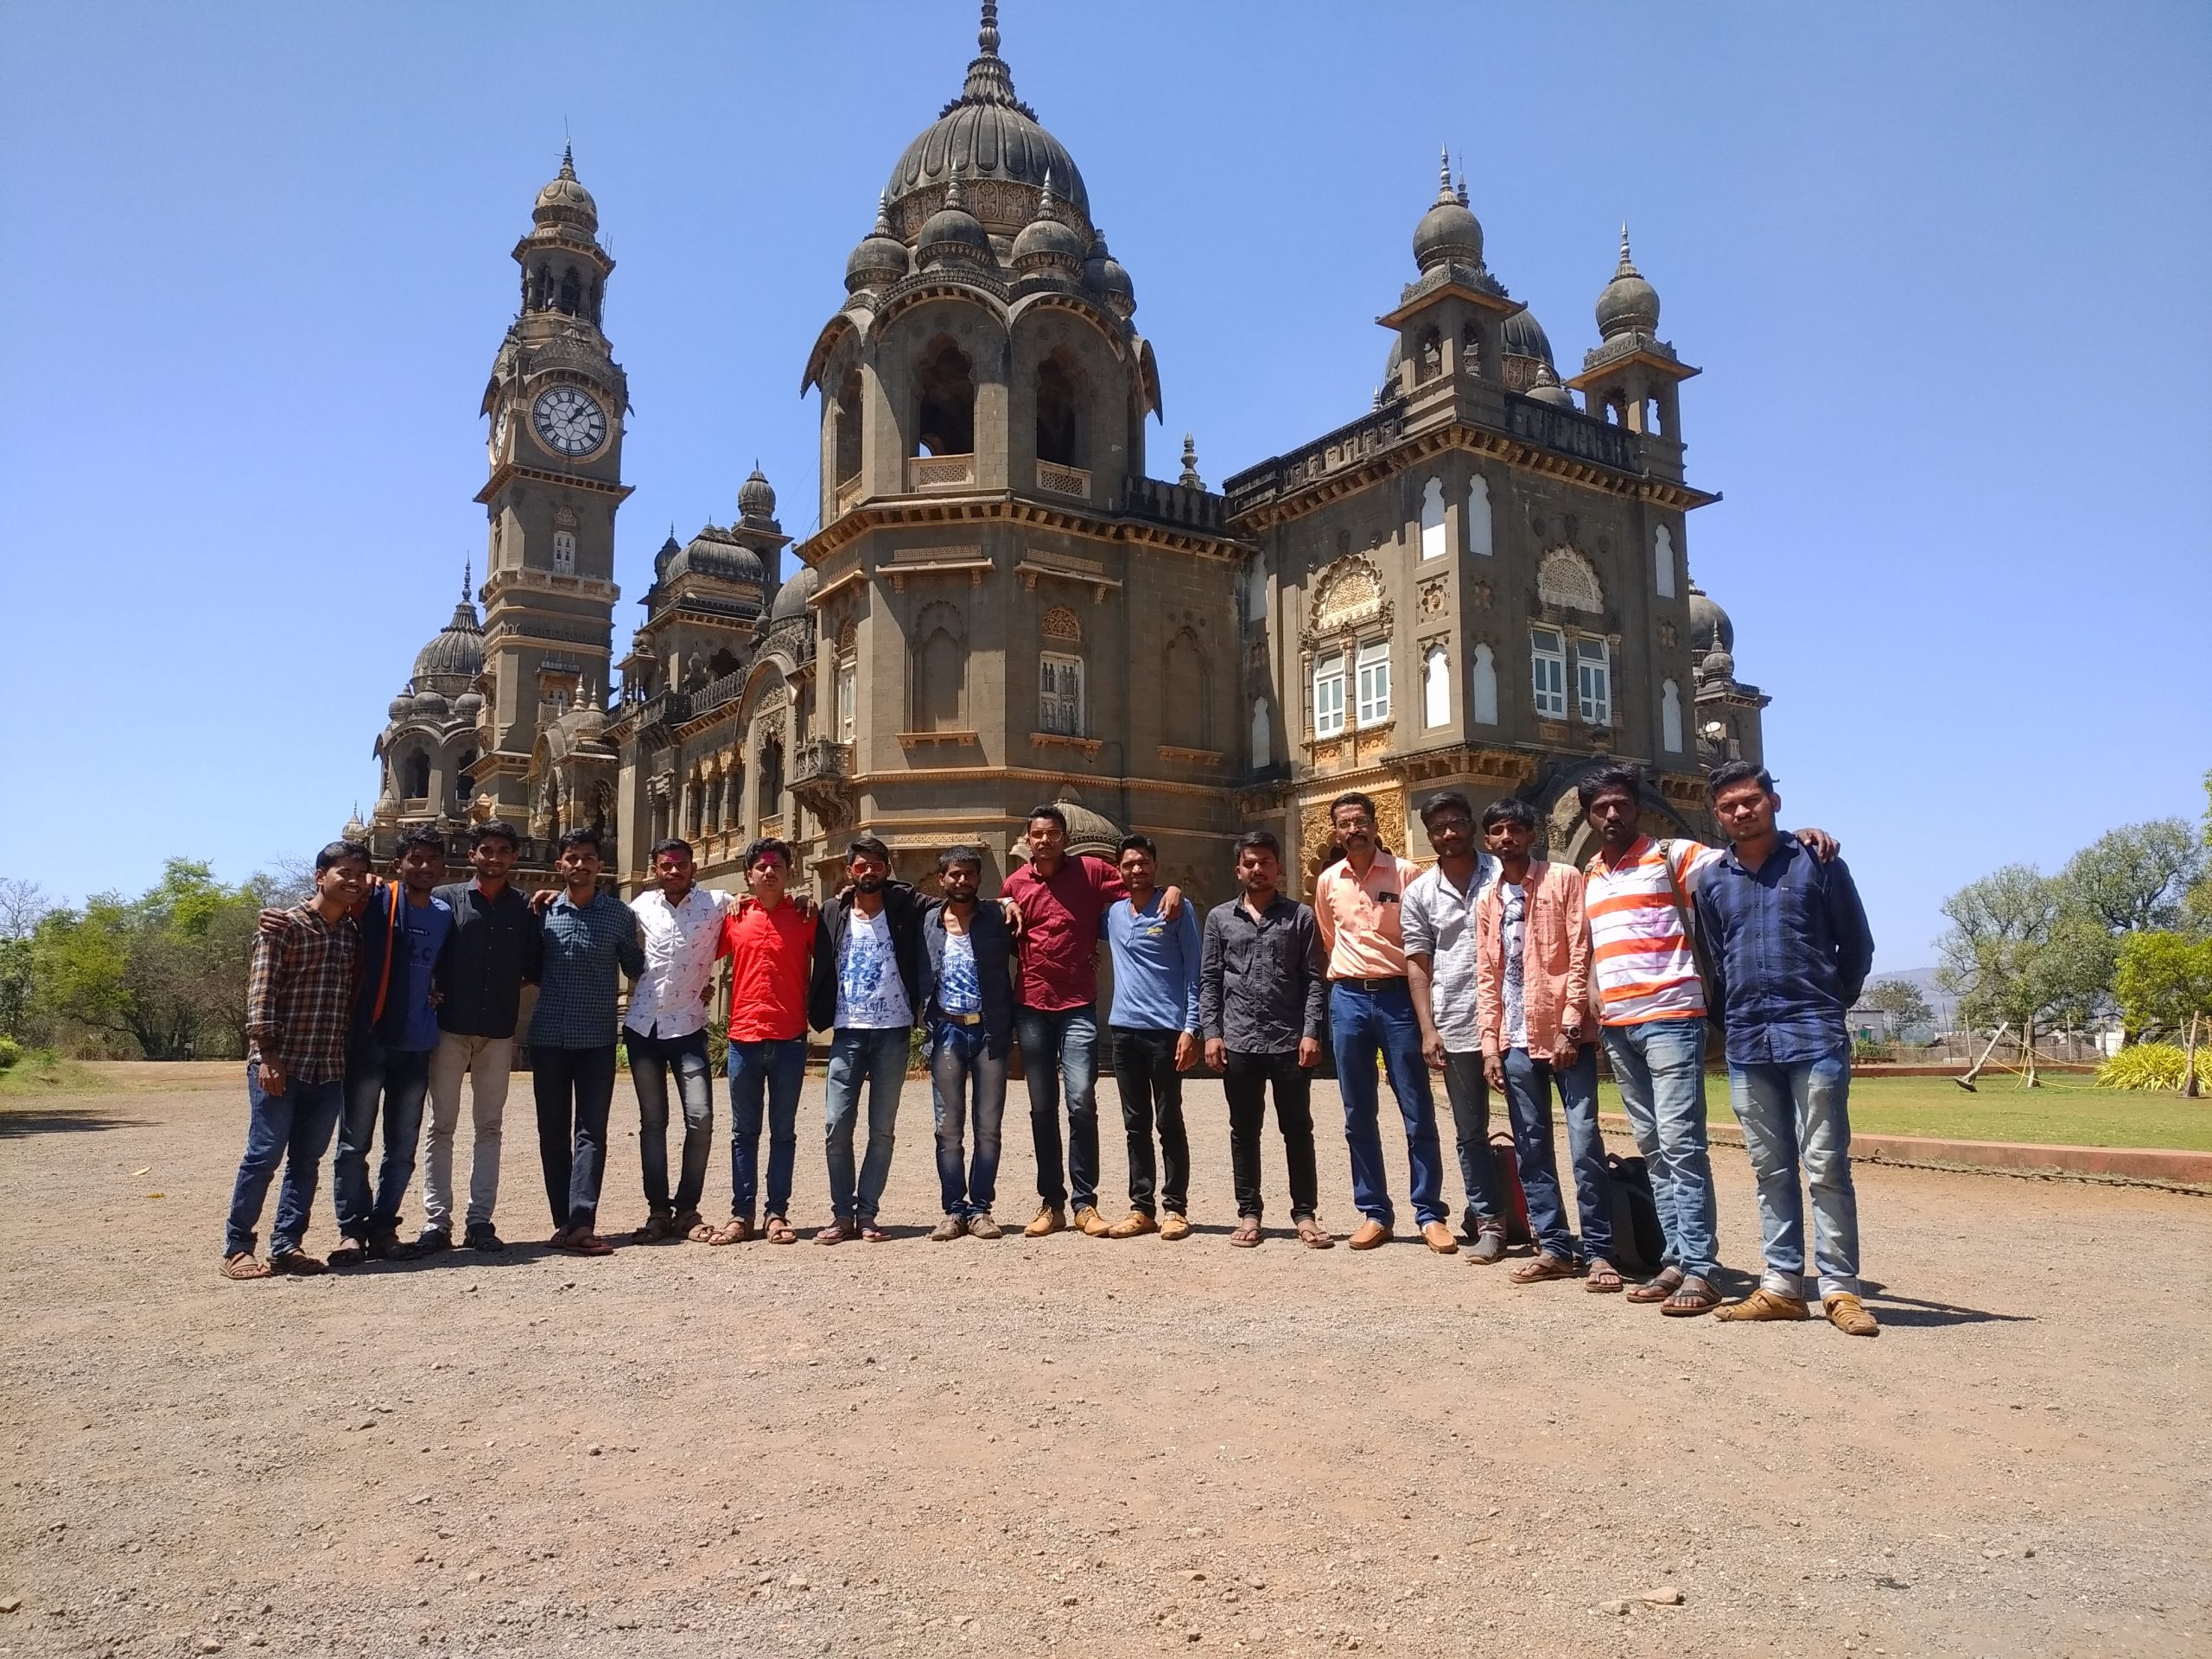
(1262, 734)
(572, 291)
(1184, 693)
(946, 423)
(1482, 688)
(1055, 407)
(1478, 526)
(1255, 589)
(462, 779)
(940, 671)
(1329, 695)
(1671, 717)
(694, 806)
(845, 704)
(768, 798)
(1059, 694)
(1435, 688)
(417, 776)
(564, 552)
(1374, 663)
(1431, 361)
(1662, 562)
(1432, 519)
(847, 438)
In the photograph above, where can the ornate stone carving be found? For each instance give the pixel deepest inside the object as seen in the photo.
(1481, 595)
(1349, 594)
(1061, 623)
(1567, 579)
(1668, 635)
(1435, 594)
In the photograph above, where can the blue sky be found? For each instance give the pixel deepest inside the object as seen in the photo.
(1945, 268)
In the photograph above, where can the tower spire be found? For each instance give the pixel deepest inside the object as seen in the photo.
(987, 36)
(1444, 195)
(988, 79)
(568, 160)
(1627, 266)
(468, 569)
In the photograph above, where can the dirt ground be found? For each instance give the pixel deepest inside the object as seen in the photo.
(1074, 1445)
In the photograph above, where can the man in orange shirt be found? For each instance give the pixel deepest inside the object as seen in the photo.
(1371, 1011)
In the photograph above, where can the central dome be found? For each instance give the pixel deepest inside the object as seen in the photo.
(993, 141)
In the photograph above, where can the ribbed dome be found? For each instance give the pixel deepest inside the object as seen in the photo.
(713, 552)
(1103, 274)
(564, 201)
(792, 597)
(756, 497)
(1522, 335)
(457, 653)
(1629, 305)
(880, 258)
(993, 138)
(952, 233)
(1448, 232)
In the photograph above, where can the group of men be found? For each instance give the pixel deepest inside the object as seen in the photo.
(1494, 967)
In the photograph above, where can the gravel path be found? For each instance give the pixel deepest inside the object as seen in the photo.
(1076, 1446)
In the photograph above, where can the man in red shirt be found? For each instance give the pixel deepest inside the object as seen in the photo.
(769, 939)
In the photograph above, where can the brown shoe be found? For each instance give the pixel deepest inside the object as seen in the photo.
(983, 1227)
(1370, 1234)
(1762, 1305)
(1049, 1219)
(298, 1263)
(1174, 1225)
(1090, 1223)
(1489, 1243)
(951, 1228)
(1438, 1238)
(1849, 1315)
(1135, 1224)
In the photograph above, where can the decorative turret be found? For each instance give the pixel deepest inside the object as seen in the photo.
(1191, 480)
(1630, 305)
(1047, 248)
(1448, 232)
(1103, 276)
(880, 258)
(952, 235)
(1632, 376)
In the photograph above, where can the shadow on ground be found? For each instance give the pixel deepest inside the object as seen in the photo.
(17, 1122)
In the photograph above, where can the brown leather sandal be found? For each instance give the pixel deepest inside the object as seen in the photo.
(1540, 1268)
(1658, 1287)
(1691, 1298)
(1314, 1236)
(735, 1230)
(1247, 1234)
(244, 1265)
(1604, 1278)
(780, 1231)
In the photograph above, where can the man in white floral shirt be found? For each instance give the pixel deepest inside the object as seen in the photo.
(680, 923)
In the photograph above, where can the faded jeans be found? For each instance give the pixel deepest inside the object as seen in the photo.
(961, 1063)
(292, 1128)
(1793, 1114)
(397, 1080)
(486, 1061)
(775, 1068)
(1660, 1068)
(877, 1059)
(1360, 1022)
(651, 1059)
(1528, 1084)
(1059, 1049)
(1468, 1090)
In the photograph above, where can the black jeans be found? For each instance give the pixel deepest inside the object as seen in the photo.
(1469, 1092)
(1245, 1084)
(1144, 1071)
(574, 1089)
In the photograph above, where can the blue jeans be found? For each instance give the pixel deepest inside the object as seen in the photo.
(776, 1070)
(1363, 1022)
(1529, 1084)
(1660, 1066)
(293, 1128)
(961, 1061)
(397, 1079)
(651, 1060)
(879, 1060)
(1059, 1049)
(1790, 1114)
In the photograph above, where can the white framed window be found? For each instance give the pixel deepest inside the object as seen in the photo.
(848, 701)
(1374, 683)
(1478, 526)
(1662, 562)
(1593, 681)
(564, 552)
(1059, 694)
(1432, 519)
(1329, 696)
(1436, 688)
(1548, 664)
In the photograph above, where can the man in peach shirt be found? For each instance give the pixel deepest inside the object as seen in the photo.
(1370, 1010)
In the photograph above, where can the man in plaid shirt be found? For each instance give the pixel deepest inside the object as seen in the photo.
(299, 1003)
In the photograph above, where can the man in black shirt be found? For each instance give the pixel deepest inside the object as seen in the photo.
(1262, 979)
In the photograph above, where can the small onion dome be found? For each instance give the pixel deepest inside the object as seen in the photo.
(713, 552)
(398, 707)
(564, 201)
(1046, 246)
(1103, 274)
(355, 830)
(952, 233)
(1709, 624)
(468, 704)
(792, 597)
(756, 497)
(1629, 305)
(1448, 232)
(427, 702)
(880, 259)
(666, 557)
(1546, 388)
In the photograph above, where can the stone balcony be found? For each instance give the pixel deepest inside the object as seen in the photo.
(925, 473)
(1057, 479)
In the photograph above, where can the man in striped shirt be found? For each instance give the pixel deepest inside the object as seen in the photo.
(1653, 1017)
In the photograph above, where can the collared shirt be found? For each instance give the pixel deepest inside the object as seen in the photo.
(871, 996)
(1790, 951)
(682, 942)
(497, 947)
(299, 995)
(959, 988)
(1060, 930)
(1437, 920)
(1261, 978)
(1358, 917)
(585, 944)
(1155, 966)
(1646, 964)
(772, 958)
(1513, 929)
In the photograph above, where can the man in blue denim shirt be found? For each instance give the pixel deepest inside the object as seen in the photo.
(968, 951)
(1789, 951)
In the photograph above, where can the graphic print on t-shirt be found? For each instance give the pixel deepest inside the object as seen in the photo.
(960, 991)
(870, 994)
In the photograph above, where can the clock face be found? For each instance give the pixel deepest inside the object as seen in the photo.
(570, 422)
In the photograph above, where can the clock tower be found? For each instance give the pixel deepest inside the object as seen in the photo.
(556, 402)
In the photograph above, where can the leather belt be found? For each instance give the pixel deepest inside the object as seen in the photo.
(965, 1019)
(1373, 984)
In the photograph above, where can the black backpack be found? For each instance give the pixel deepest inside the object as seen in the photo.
(1639, 1244)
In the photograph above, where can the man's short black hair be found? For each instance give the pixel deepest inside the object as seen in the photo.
(1729, 774)
(1048, 810)
(1450, 801)
(757, 850)
(1510, 810)
(868, 846)
(961, 854)
(1140, 843)
(495, 829)
(1605, 780)
(581, 836)
(1259, 841)
(672, 845)
(421, 835)
(337, 852)
(1352, 798)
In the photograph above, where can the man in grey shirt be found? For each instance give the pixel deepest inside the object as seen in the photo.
(1436, 918)
(1261, 978)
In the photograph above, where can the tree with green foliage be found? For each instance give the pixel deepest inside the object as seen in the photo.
(1905, 1003)
(2165, 983)
(21, 907)
(2136, 877)
(2022, 952)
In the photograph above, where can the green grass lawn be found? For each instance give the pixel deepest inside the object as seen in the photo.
(2068, 1110)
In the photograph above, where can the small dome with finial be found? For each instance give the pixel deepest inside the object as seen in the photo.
(952, 234)
(457, 653)
(792, 597)
(565, 201)
(1629, 305)
(1104, 275)
(1046, 246)
(1544, 388)
(1448, 232)
(880, 258)
(1709, 625)
(756, 497)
